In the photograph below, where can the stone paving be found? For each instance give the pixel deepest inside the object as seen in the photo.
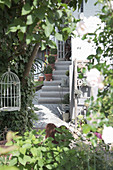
(47, 113)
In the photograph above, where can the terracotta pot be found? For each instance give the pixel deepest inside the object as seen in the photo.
(48, 77)
(53, 66)
(41, 78)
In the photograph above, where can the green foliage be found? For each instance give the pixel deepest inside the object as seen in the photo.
(67, 73)
(35, 152)
(48, 69)
(53, 51)
(51, 59)
(66, 99)
(102, 109)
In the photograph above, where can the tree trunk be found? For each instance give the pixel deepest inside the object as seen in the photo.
(29, 64)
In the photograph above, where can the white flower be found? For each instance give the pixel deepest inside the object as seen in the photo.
(94, 78)
(107, 134)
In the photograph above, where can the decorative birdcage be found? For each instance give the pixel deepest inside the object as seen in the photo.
(10, 97)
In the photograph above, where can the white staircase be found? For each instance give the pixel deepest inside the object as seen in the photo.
(52, 92)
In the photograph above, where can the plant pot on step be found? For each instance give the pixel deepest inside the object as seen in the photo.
(51, 61)
(41, 78)
(48, 77)
(48, 72)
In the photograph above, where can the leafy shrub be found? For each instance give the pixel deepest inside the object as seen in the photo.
(51, 59)
(48, 69)
(35, 152)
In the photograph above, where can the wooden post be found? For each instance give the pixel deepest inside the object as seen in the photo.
(75, 88)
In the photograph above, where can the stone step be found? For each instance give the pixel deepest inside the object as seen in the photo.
(53, 94)
(59, 72)
(52, 83)
(58, 77)
(60, 67)
(63, 63)
(47, 100)
(54, 88)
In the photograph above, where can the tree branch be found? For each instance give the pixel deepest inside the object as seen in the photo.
(29, 64)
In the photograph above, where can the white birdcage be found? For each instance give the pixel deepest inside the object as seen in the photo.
(10, 97)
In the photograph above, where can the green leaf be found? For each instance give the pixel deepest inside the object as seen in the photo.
(26, 9)
(23, 29)
(7, 3)
(40, 162)
(59, 13)
(22, 161)
(34, 151)
(21, 36)
(13, 162)
(13, 29)
(86, 129)
(59, 36)
(23, 150)
(35, 3)
(30, 19)
(27, 145)
(28, 39)
(40, 13)
(27, 158)
(49, 166)
(43, 46)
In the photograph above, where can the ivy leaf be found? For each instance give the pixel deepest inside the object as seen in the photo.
(59, 13)
(21, 36)
(48, 30)
(35, 3)
(30, 19)
(26, 9)
(59, 36)
(28, 39)
(40, 13)
(23, 29)
(6, 2)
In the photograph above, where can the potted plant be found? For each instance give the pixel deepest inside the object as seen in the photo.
(51, 61)
(48, 72)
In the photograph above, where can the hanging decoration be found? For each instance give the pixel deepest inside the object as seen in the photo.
(10, 97)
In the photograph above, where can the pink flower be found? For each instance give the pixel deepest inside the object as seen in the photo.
(98, 135)
(10, 156)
